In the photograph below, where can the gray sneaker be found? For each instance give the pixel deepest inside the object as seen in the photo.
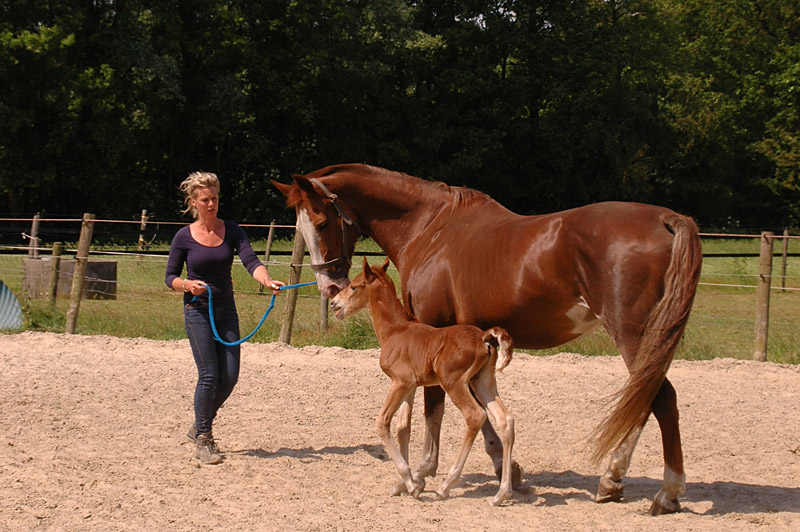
(206, 449)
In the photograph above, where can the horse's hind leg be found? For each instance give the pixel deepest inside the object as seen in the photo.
(494, 448)
(665, 409)
(485, 387)
(611, 487)
(474, 416)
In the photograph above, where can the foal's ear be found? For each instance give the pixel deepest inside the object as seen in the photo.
(369, 275)
(385, 265)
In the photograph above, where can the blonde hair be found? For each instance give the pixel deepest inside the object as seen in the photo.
(194, 182)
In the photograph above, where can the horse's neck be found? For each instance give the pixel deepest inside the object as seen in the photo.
(394, 210)
(386, 310)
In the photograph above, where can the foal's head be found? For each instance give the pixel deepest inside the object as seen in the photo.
(356, 296)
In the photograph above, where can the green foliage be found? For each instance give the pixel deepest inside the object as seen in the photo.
(543, 104)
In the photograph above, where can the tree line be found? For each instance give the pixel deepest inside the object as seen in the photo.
(106, 105)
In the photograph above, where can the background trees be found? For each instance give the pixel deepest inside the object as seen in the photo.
(544, 104)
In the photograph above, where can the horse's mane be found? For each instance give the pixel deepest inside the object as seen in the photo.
(461, 196)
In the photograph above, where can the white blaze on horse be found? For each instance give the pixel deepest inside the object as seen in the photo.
(547, 279)
(460, 358)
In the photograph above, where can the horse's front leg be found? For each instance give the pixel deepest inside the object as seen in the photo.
(434, 412)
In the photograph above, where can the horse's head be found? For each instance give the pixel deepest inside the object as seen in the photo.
(356, 296)
(329, 231)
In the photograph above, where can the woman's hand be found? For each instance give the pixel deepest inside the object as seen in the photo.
(194, 287)
(273, 285)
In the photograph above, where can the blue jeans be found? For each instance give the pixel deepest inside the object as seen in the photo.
(217, 364)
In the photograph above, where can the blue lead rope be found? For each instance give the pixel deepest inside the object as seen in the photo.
(263, 318)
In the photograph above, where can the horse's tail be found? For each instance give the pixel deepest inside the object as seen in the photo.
(662, 332)
(498, 338)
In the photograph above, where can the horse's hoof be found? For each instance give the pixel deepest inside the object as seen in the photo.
(499, 499)
(608, 491)
(663, 505)
(516, 475)
(399, 489)
(440, 495)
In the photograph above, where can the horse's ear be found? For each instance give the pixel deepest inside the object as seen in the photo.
(304, 183)
(285, 189)
(385, 265)
(369, 275)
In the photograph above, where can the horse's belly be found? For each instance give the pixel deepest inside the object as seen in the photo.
(584, 321)
(542, 326)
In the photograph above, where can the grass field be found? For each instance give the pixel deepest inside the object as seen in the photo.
(722, 322)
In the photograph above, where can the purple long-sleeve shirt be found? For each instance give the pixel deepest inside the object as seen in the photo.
(211, 264)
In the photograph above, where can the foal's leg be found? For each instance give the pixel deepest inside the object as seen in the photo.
(485, 387)
(403, 433)
(494, 448)
(474, 416)
(665, 408)
(398, 393)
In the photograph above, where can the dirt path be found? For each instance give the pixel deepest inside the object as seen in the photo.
(93, 440)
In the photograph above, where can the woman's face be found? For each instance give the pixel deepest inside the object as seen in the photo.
(206, 201)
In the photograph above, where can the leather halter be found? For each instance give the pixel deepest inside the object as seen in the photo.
(344, 218)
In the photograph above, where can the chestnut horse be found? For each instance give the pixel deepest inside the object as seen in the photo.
(546, 279)
(462, 359)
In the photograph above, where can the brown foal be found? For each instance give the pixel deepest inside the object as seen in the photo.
(457, 358)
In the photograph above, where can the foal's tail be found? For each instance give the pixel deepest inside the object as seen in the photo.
(662, 332)
(498, 338)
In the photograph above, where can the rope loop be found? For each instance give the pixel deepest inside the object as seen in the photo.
(263, 318)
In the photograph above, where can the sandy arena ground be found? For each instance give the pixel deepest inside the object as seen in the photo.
(93, 440)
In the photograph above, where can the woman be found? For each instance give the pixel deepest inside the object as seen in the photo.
(207, 247)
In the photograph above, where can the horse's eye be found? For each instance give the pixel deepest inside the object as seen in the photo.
(321, 227)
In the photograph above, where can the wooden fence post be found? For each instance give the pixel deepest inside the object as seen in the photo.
(323, 312)
(55, 267)
(268, 251)
(142, 226)
(33, 244)
(762, 296)
(298, 250)
(785, 257)
(78, 277)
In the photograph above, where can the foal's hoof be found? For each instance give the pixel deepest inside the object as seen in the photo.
(663, 505)
(399, 489)
(418, 487)
(499, 499)
(608, 491)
